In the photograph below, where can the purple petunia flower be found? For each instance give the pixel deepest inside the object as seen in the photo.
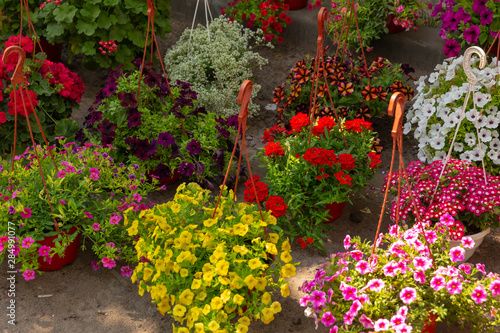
(12, 210)
(186, 169)
(166, 139)
(194, 147)
(451, 48)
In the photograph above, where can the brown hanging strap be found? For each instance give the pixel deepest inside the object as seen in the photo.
(244, 99)
(18, 80)
(396, 109)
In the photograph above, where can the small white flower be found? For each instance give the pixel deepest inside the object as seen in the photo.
(407, 128)
(440, 155)
(422, 155)
(471, 115)
(437, 142)
(433, 77)
(485, 135)
(492, 108)
(477, 154)
(470, 139)
(492, 121)
(466, 156)
(458, 146)
(494, 134)
(435, 128)
(423, 141)
(493, 154)
(495, 143)
(481, 99)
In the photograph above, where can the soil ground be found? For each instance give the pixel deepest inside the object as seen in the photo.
(77, 299)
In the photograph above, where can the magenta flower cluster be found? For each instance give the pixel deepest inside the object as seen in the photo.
(462, 193)
(464, 24)
(393, 289)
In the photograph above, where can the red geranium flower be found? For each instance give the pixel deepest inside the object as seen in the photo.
(276, 205)
(274, 149)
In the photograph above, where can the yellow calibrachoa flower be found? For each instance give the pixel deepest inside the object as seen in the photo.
(240, 328)
(216, 303)
(147, 274)
(250, 281)
(179, 310)
(274, 238)
(226, 295)
(207, 277)
(240, 249)
(271, 248)
(287, 271)
(266, 298)
(185, 237)
(184, 272)
(285, 291)
(210, 222)
(222, 267)
(244, 320)
(262, 284)
(224, 280)
(285, 247)
(247, 219)
(158, 291)
(240, 229)
(182, 330)
(133, 230)
(254, 263)
(164, 305)
(201, 294)
(196, 284)
(206, 309)
(276, 307)
(271, 219)
(285, 257)
(186, 297)
(176, 208)
(199, 328)
(185, 255)
(267, 315)
(213, 326)
(238, 299)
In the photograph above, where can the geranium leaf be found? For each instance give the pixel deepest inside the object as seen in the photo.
(85, 28)
(65, 13)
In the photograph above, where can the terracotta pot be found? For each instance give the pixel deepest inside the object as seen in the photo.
(478, 239)
(334, 210)
(430, 324)
(393, 28)
(53, 52)
(296, 4)
(69, 254)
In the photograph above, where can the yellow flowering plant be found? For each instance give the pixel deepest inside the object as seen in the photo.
(213, 272)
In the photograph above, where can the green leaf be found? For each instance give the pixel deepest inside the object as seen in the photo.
(85, 28)
(111, 2)
(104, 21)
(89, 11)
(54, 30)
(66, 128)
(89, 48)
(65, 13)
(137, 37)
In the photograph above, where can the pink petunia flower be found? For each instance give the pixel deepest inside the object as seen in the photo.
(391, 269)
(27, 242)
(304, 300)
(115, 219)
(408, 295)
(382, 325)
(375, 285)
(126, 271)
(478, 295)
(348, 318)
(137, 197)
(347, 242)
(466, 268)
(397, 320)
(349, 293)
(447, 219)
(403, 328)
(88, 215)
(44, 250)
(422, 263)
(468, 242)
(438, 283)
(96, 226)
(355, 307)
(29, 275)
(328, 319)
(363, 267)
(457, 253)
(495, 288)
(403, 311)
(357, 255)
(334, 329)
(61, 174)
(419, 276)
(317, 298)
(454, 286)
(26, 213)
(480, 267)
(108, 263)
(366, 322)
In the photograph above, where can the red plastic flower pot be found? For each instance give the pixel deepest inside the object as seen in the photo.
(69, 254)
(430, 324)
(334, 210)
(296, 4)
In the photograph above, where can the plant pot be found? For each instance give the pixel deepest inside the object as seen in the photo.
(478, 239)
(53, 52)
(430, 324)
(334, 210)
(393, 28)
(296, 4)
(57, 262)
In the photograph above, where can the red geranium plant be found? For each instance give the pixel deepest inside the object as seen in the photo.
(309, 175)
(268, 16)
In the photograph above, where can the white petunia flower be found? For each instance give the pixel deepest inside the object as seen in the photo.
(495, 143)
(458, 146)
(440, 155)
(481, 99)
(433, 77)
(435, 128)
(477, 154)
(485, 135)
(492, 121)
(470, 139)
(466, 156)
(437, 142)
(422, 155)
(471, 115)
(494, 134)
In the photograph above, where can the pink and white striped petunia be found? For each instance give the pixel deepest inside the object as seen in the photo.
(375, 285)
(422, 263)
(454, 286)
(408, 295)
(457, 253)
(27, 242)
(347, 242)
(366, 322)
(349, 293)
(403, 311)
(419, 276)
(403, 328)
(478, 295)
(438, 283)
(495, 288)
(363, 267)
(382, 325)
(355, 307)
(317, 298)
(468, 242)
(397, 320)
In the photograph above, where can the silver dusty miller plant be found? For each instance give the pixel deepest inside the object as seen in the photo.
(216, 61)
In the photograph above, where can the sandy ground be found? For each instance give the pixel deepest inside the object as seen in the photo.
(77, 299)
